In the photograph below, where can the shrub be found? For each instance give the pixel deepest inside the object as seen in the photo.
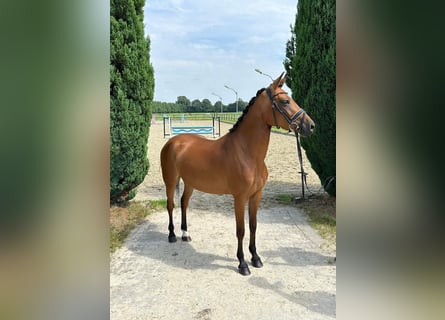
(131, 93)
(310, 63)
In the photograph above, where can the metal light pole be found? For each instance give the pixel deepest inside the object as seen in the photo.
(220, 99)
(261, 72)
(236, 93)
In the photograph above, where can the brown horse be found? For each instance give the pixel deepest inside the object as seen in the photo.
(233, 164)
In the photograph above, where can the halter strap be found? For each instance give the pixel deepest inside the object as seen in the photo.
(292, 121)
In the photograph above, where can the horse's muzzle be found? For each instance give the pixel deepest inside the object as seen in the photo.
(306, 128)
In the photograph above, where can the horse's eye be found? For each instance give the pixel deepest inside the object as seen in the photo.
(285, 101)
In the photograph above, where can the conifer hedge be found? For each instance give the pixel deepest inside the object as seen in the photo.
(310, 63)
(131, 93)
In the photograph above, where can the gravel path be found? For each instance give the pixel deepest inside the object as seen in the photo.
(153, 279)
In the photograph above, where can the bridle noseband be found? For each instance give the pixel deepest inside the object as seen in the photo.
(292, 121)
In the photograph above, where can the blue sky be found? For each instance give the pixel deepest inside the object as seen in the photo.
(199, 46)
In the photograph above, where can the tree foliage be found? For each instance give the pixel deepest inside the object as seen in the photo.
(310, 63)
(183, 104)
(183, 100)
(207, 105)
(166, 107)
(231, 107)
(131, 91)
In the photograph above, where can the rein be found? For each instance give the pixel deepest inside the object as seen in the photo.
(294, 126)
(300, 159)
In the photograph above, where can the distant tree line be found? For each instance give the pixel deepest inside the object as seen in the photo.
(183, 104)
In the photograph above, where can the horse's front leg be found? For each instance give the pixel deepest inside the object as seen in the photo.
(254, 204)
(243, 268)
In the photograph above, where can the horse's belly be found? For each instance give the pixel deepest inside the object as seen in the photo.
(206, 184)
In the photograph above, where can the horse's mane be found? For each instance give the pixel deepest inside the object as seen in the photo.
(246, 109)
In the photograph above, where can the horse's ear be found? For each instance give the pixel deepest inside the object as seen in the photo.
(277, 82)
(283, 79)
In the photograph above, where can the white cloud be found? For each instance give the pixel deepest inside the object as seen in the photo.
(199, 46)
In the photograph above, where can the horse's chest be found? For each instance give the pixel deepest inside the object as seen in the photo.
(255, 177)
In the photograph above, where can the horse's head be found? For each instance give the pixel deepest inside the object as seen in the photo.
(286, 112)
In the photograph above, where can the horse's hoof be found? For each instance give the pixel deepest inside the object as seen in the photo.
(186, 239)
(244, 270)
(256, 262)
(171, 239)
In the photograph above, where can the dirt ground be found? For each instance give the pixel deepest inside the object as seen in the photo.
(153, 279)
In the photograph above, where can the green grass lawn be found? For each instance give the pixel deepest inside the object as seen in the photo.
(321, 212)
(125, 217)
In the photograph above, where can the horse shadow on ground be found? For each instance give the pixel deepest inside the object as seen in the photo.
(294, 256)
(154, 244)
(316, 301)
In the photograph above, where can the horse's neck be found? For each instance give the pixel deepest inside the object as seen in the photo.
(253, 135)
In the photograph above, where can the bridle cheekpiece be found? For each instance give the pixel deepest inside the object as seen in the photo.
(293, 122)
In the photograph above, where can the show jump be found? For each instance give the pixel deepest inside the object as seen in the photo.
(170, 129)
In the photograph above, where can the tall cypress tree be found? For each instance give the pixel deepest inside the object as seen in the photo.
(131, 93)
(310, 63)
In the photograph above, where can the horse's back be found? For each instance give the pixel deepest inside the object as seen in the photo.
(189, 141)
(187, 138)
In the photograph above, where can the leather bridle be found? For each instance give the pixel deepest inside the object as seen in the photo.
(295, 126)
(293, 122)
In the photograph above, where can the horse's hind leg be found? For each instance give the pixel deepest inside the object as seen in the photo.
(171, 182)
(184, 204)
(170, 190)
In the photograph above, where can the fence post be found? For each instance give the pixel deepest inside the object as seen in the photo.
(213, 127)
(167, 121)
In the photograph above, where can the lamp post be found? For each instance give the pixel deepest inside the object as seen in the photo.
(261, 72)
(220, 99)
(236, 93)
